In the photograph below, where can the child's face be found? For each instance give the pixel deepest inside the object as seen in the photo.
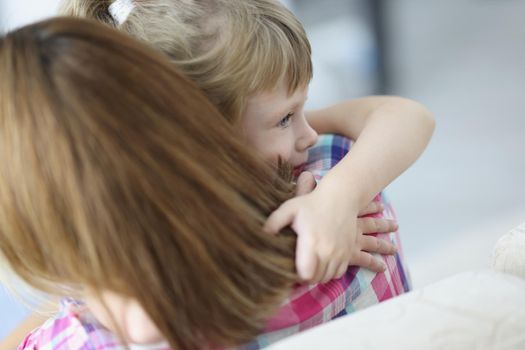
(274, 123)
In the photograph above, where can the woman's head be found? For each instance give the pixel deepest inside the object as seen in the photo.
(114, 178)
(232, 49)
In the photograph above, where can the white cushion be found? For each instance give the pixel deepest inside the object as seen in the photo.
(472, 310)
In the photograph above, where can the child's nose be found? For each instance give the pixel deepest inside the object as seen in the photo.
(308, 138)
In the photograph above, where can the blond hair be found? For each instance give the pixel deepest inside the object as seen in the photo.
(113, 178)
(232, 49)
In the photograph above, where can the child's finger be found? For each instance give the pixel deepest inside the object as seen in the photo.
(376, 225)
(341, 270)
(280, 218)
(331, 272)
(372, 208)
(368, 261)
(376, 245)
(320, 271)
(305, 183)
(306, 260)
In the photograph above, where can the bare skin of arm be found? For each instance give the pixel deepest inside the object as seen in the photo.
(390, 132)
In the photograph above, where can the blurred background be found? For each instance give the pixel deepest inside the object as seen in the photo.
(464, 60)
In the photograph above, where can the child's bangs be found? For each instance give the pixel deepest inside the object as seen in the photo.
(280, 55)
(297, 63)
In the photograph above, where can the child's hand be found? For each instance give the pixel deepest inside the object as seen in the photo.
(305, 184)
(330, 235)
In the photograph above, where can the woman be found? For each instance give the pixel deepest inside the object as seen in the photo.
(116, 189)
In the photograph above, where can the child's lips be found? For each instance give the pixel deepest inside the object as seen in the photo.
(298, 170)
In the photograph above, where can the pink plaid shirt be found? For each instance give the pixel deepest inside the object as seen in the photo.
(312, 305)
(74, 328)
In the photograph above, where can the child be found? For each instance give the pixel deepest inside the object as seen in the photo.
(252, 59)
(108, 194)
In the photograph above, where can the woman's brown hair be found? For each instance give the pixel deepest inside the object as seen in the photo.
(118, 174)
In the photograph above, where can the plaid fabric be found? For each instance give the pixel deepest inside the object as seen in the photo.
(311, 305)
(74, 328)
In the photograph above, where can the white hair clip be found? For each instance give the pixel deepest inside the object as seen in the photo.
(120, 10)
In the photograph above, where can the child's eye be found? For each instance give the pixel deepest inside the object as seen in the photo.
(283, 123)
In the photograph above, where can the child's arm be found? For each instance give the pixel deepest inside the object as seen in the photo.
(390, 134)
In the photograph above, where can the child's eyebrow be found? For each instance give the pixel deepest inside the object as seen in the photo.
(294, 105)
